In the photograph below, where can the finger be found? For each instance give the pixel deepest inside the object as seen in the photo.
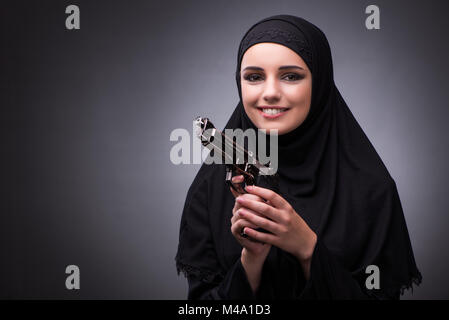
(236, 217)
(261, 208)
(259, 221)
(247, 196)
(239, 224)
(251, 244)
(234, 193)
(236, 207)
(267, 194)
(237, 214)
(237, 227)
(262, 236)
(252, 197)
(240, 208)
(246, 240)
(237, 179)
(238, 188)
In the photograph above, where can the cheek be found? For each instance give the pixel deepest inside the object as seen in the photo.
(250, 94)
(300, 100)
(298, 115)
(299, 96)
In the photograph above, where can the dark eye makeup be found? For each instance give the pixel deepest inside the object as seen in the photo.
(253, 77)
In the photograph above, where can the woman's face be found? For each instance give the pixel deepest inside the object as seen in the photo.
(276, 87)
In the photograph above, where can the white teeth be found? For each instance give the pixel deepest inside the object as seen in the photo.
(273, 111)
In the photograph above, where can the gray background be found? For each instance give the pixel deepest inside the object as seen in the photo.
(87, 116)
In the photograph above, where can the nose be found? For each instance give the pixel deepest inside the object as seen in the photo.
(271, 91)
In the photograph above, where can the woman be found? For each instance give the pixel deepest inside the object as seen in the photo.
(338, 211)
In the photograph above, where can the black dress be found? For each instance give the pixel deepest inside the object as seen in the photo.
(330, 174)
(218, 272)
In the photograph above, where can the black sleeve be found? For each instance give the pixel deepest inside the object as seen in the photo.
(234, 286)
(197, 257)
(329, 279)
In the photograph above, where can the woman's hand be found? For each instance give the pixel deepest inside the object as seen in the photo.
(256, 251)
(253, 253)
(289, 231)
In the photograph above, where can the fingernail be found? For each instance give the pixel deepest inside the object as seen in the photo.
(249, 188)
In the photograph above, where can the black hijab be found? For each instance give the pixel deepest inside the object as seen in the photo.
(330, 173)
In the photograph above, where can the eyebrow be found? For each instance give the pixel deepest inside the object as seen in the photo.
(280, 68)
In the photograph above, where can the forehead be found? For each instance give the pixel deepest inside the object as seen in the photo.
(271, 54)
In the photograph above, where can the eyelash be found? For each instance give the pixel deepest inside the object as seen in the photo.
(297, 76)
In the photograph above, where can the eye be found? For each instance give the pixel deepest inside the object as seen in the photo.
(293, 77)
(252, 77)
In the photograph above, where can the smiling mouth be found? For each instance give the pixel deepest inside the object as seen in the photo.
(272, 112)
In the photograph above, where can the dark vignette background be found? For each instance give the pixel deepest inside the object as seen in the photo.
(87, 114)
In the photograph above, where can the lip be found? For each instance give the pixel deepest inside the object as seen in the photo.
(271, 116)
